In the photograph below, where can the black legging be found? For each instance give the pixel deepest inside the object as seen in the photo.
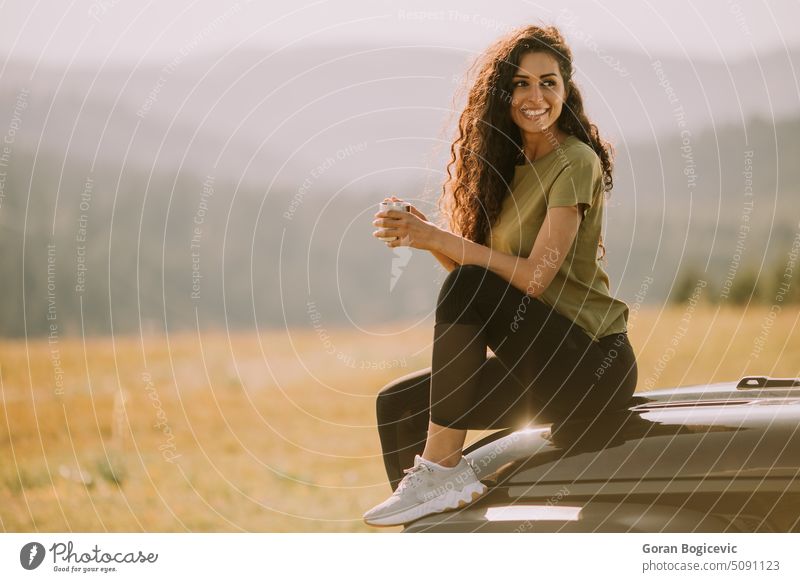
(544, 369)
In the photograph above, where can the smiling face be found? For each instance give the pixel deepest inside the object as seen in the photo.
(537, 93)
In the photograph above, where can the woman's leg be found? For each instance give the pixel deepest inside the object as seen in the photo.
(459, 351)
(540, 355)
(552, 358)
(459, 363)
(403, 411)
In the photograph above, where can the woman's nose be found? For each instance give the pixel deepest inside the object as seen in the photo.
(535, 95)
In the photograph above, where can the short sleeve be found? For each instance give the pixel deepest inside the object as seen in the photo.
(577, 182)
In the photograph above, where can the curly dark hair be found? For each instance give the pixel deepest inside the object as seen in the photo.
(489, 143)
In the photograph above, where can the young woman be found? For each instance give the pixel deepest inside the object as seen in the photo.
(525, 209)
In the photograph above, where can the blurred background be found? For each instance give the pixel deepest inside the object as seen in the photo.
(195, 318)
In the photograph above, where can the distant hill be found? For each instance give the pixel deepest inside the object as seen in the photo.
(263, 116)
(183, 207)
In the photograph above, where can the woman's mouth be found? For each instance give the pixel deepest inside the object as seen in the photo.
(535, 114)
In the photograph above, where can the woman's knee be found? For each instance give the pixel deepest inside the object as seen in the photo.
(469, 276)
(458, 292)
(408, 393)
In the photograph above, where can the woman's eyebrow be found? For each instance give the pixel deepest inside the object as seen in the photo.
(526, 76)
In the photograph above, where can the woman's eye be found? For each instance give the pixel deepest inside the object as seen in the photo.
(545, 83)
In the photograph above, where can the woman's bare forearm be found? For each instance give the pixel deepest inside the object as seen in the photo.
(446, 262)
(533, 274)
(516, 270)
(465, 252)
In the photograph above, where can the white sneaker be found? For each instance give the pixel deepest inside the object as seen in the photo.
(428, 488)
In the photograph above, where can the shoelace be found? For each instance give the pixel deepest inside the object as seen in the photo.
(412, 475)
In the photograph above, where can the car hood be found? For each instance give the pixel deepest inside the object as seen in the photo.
(666, 435)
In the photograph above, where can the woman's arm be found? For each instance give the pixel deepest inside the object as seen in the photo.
(448, 263)
(533, 274)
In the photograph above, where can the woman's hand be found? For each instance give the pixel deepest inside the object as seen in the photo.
(412, 228)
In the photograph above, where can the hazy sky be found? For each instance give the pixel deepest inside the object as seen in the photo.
(158, 29)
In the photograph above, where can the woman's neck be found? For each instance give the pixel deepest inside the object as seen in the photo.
(537, 145)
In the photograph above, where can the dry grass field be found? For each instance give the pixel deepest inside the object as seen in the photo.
(271, 431)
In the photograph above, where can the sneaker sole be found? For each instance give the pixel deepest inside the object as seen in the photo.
(447, 502)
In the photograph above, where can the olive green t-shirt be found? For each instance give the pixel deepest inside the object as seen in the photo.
(569, 175)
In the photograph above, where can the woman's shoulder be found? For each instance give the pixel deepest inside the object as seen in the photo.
(580, 151)
(578, 154)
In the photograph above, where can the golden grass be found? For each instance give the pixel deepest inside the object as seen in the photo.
(266, 431)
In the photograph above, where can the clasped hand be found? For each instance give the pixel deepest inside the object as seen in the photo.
(412, 229)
